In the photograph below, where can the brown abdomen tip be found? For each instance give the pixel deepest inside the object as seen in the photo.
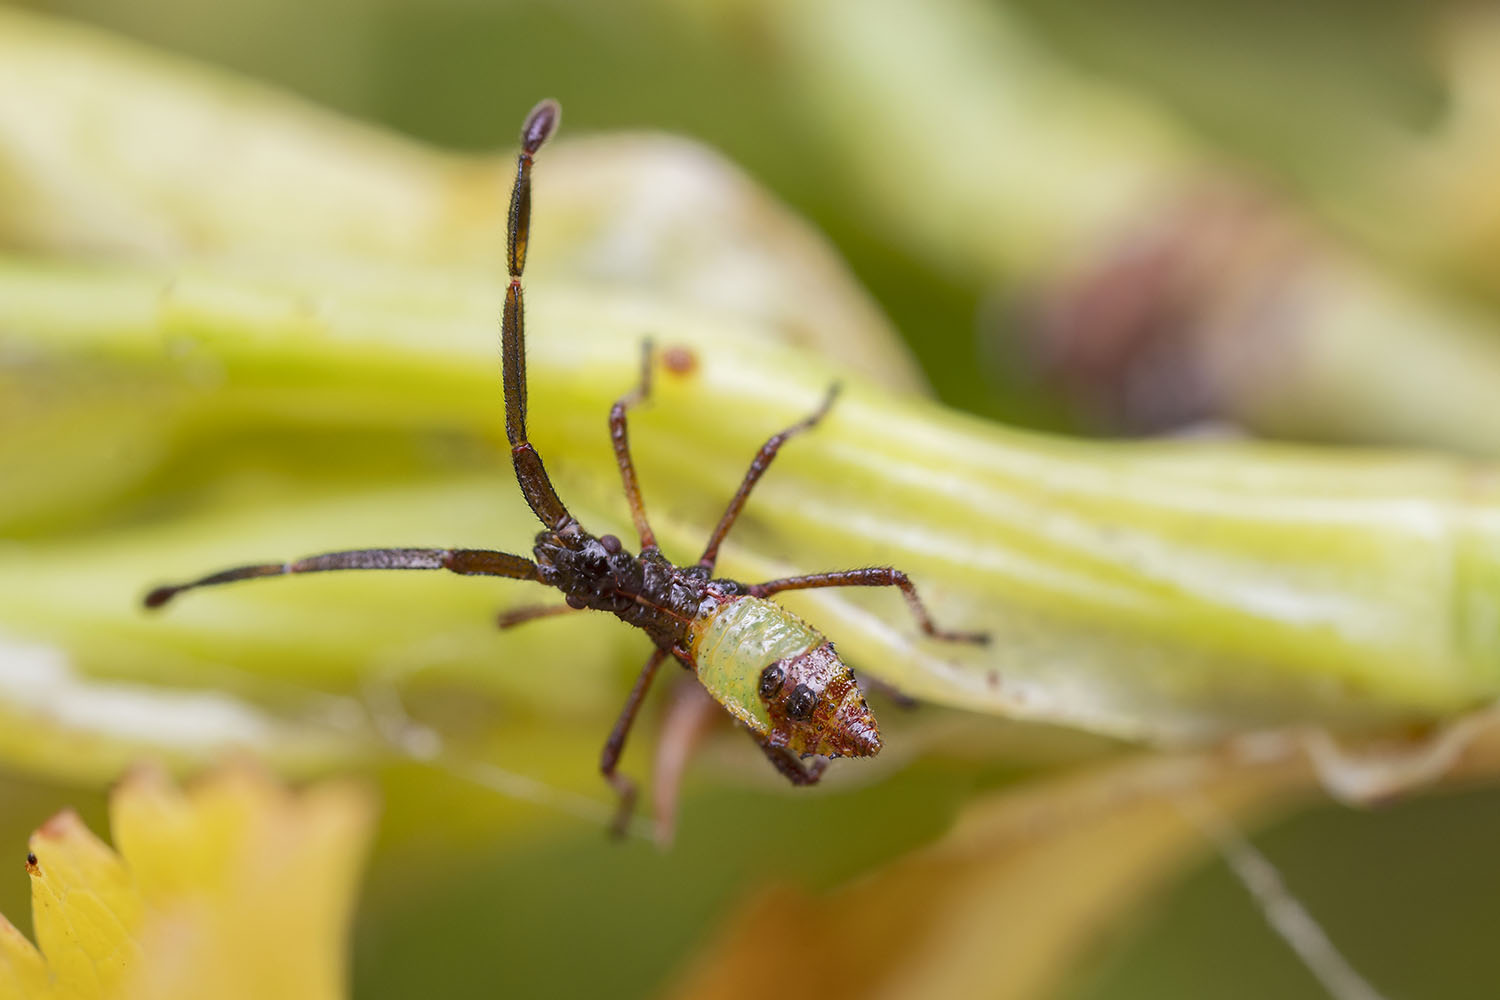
(540, 124)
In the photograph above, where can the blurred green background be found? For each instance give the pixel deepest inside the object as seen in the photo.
(1295, 98)
(1291, 89)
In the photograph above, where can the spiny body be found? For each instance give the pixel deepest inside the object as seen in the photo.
(772, 671)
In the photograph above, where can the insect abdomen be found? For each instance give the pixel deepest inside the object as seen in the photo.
(732, 644)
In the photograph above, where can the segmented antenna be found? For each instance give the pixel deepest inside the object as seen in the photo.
(530, 473)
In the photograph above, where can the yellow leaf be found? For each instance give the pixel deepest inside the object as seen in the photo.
(22, 971)
(233, 888)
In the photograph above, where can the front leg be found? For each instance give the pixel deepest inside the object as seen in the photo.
(619, 437)
(758, 467)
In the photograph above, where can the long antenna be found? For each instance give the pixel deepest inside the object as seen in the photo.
(530, 473)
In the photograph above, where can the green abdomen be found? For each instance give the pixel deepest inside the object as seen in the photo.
(738, 640)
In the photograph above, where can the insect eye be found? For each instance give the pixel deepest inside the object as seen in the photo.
(770, 680)
(800, 705)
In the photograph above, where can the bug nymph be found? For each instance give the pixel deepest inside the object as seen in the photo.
(771, 670)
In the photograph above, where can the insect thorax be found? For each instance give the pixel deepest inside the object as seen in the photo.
(644, 590)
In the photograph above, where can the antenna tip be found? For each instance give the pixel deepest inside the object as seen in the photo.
(160, 596)
(540, 124)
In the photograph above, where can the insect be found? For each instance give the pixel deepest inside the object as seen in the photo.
(774, 673)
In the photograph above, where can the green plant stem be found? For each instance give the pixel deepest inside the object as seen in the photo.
(1169, 590)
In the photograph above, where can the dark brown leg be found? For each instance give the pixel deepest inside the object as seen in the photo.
(791, 768)
(881, 577)
(530, 473)
(511, 617)
(469, 562)
(758, 466)
(618, 436)
(615, 745)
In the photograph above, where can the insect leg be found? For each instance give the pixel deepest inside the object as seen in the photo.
(758, 466)
(895, 694)
(469, 562)
(690, 715)
(878, 577)
(530, 474)
(615, 745)
(791, 768)
(511, 617)
(618, 436)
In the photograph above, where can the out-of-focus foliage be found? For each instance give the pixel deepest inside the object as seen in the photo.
(108, 151)
(1011, 897)
(1022, 886)
(1171, 287)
